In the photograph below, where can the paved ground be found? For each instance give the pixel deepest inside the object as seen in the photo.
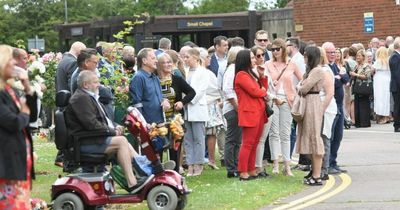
(372, 158)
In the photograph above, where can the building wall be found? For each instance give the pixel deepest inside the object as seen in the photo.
(278, 22)
(342, 21)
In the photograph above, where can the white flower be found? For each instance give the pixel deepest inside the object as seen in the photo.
(18, 85)
(37, 65)
(39, 79)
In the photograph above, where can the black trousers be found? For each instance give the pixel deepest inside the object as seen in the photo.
(396, 109)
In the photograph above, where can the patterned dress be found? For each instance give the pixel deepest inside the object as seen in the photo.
(309, 140)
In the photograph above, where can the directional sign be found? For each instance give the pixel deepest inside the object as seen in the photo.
(369, 22)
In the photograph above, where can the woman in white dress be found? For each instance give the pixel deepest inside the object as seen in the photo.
(382, 86)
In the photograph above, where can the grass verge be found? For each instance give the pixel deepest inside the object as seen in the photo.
(211, 190)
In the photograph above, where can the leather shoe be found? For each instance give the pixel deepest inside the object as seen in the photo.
(262, 174)
(232, 174)
(247, 179)
(340, 169)
(333, 170)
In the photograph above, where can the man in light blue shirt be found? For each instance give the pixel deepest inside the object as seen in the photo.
(145, 89)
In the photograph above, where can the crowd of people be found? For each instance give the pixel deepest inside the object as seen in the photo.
(237, 98)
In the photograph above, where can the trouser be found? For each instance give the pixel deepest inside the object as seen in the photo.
(292, 137)
(267, 149)
(261, 144)
(233, 139)
(221, 143)
(280, 132)
(247, 153)
(337, 136)
(325, 160)
(194, 142)
(396, 109)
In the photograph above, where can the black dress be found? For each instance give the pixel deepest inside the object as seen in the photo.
(362, 103)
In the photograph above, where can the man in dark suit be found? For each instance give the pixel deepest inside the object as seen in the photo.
(337, 132)
(65, 69)
(218, 59)
(394, 64)
(86, 114)
(67, 66)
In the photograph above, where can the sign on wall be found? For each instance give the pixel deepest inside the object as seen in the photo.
(186, 24)
(369, 22)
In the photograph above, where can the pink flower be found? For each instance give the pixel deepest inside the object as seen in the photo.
(127, 89)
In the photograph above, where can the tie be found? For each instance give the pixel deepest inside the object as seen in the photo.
(334, 68)
(266, 56)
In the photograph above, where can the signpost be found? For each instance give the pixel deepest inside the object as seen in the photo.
(36, 43)
(369, 22)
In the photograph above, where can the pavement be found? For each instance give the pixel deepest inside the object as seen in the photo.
(372, 158)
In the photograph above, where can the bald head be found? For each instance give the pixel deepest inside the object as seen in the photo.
(76, 48)
(21, 56)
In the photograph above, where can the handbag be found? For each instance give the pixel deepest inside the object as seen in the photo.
(298, 108)
(268, 110)
(363, 88)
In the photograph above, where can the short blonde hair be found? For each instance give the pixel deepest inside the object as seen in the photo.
(324, 59)
(232, 53)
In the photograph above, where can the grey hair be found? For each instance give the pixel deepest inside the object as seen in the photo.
(164, 43)
(85, 76)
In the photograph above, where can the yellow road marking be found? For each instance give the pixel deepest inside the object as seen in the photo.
(328, 185)
(346, 181)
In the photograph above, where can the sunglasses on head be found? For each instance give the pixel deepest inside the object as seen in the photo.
(260, 55)
(277, 49)
(262, 40)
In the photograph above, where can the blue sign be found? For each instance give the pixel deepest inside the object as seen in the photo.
(369, 22)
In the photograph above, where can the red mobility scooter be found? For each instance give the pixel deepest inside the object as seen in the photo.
(166, 189)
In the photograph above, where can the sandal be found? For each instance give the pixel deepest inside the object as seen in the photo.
(313, 181)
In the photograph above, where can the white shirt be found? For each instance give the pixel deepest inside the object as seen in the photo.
(298, 59)
(228, 89)
(222, 62)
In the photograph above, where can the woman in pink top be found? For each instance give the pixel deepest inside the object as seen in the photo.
(282, 72)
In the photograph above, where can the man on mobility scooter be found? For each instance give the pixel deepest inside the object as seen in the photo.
(86, 114)
(86, 136)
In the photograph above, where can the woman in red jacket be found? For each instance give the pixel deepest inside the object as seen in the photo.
(251, 90)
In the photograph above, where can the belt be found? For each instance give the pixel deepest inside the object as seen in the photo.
(313, 92)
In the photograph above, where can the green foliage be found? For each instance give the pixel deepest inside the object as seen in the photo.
(281, 3)
(220, 6)
(49, 96)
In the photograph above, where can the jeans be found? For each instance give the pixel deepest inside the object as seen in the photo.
(261, 144)
(194, 142)
(279, 137)
(233, 141)
(293, 137)
(336, 137)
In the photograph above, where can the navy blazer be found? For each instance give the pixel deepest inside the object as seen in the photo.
(12, 139)
(214, 66)
(394, 64)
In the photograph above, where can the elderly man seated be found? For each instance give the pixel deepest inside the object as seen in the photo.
(86, 114)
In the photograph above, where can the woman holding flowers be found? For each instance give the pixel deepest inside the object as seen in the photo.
(173, 88)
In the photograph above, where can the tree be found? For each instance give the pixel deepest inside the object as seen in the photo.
(281, 3)
(220, 6)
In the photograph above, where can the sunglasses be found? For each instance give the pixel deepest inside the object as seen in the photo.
(277, 49)
(260, 55)
(262, 40)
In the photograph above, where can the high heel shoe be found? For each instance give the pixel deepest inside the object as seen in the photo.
(190, 170)
(275, 168)
(213, 166)
(287, 172)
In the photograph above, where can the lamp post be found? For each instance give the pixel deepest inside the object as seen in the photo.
(66, 11)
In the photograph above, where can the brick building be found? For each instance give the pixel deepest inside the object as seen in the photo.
(344, 22)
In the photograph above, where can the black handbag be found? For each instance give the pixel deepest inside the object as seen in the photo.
(363, 88)
(268, 110)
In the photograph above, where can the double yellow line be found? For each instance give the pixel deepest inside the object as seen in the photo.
(320, 195)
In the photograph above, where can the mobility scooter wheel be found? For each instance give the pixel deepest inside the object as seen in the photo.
(68, 201)
(182, 203)
(162, 197)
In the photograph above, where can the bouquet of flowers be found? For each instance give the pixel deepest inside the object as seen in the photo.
(35, 70)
